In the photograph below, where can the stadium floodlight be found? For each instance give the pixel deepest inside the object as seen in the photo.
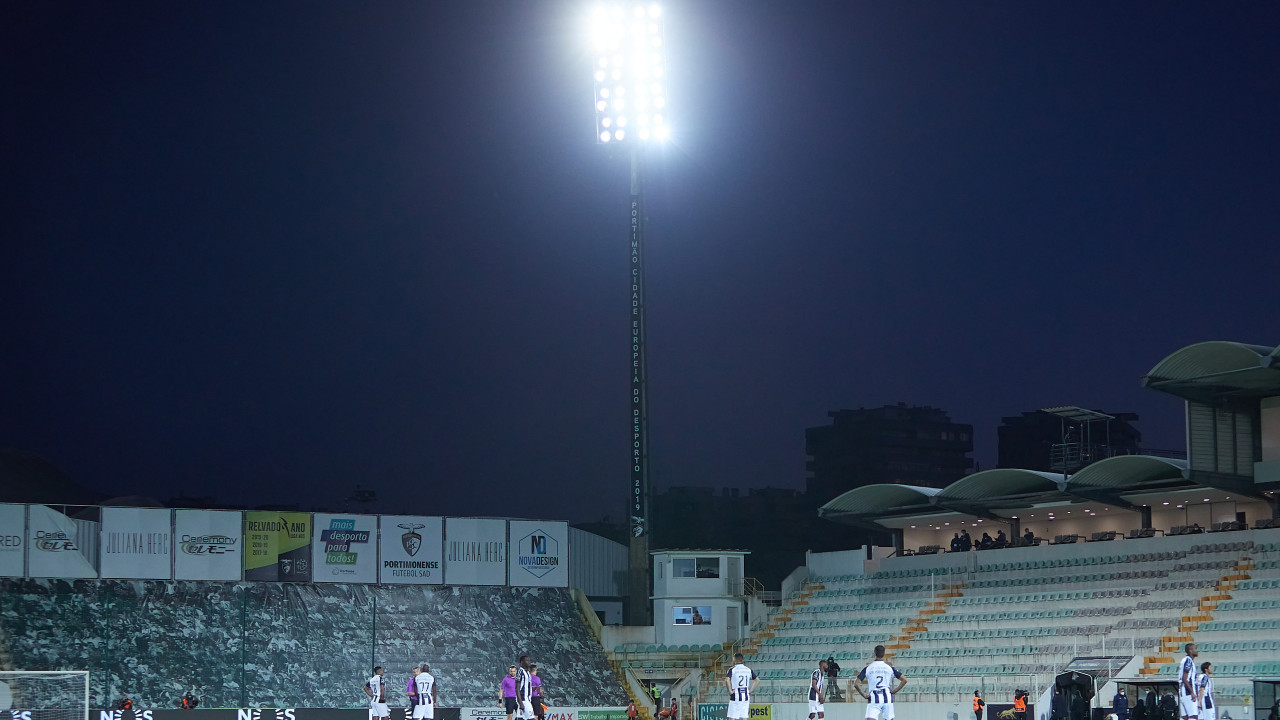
(630, 53)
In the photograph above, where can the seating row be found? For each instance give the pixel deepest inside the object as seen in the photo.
(1207, 565)
(1235, 625)
(1055, 563)
(853, 622)
(1271, 584)
(871, 590)
(991, 633)
(1185, 585)
(1222, 547)
(1256, 669)
(643, 648)
(659, 664)
(1167, 604)
(1034, 614)
(1063, 596)
(862, 607)
(1018, 650)
(1235, 605)
(828, 639)
(1243, 646)
(1069, 579)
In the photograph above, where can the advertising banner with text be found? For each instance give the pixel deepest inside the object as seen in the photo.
(410, 550)
(277, 546)
(717, 711)
(136, 543)
(539, 553)
(56, 546)
(344, 548)
(475, 551)
(13, 531)
(210, 544)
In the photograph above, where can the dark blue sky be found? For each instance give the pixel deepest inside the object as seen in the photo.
(269, 250)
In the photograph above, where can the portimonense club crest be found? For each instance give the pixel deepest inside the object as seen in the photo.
(411, 540)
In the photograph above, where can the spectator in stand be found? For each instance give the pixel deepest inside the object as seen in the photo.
(1120, 704)
(985, 542)
(966, 542)
(1001, 540)
(955, 543)
(1028, 537)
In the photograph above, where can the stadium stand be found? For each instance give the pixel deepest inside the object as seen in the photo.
(298, 645)
(1025, 621)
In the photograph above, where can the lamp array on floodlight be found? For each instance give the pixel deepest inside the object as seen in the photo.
(630, 73)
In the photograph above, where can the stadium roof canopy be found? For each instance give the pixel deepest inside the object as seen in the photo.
(1208, 370)
(1123, 481)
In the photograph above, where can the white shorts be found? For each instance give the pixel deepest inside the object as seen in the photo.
(739, 709)
(883, 711)
(1187, 706)
(815, 707)
(1209, 713)
(420, 712)
(526, 710)
(379, 710)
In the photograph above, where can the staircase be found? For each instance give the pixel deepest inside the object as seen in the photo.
(752, 646)
(1172, 645)
(920, 623)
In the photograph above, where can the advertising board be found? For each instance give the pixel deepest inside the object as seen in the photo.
(344, 548)
(136, 543)
(410, 550)
(209, 544)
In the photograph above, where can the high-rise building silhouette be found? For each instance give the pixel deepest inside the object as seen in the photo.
(890, 444)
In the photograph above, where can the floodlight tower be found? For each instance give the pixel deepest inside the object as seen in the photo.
(630, 101)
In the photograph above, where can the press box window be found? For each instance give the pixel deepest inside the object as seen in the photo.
(708, 567)
(700, 615)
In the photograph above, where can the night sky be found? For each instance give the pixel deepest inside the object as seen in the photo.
(273, 251)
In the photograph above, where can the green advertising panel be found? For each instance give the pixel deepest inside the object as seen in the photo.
(605, 714)
(277, 546)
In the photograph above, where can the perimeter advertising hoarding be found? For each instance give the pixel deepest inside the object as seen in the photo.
(410, 551)
(55, 545)
(13, 533)
(210, 544)
(717, 711)
(554, 713)
(344, 548)
(238, 714)
(136, 543)
(475, 551)
(539, 553)
(277, 546)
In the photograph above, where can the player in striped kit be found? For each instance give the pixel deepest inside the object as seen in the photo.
(818, 691)
(425, 690)
(878, 676)
(1187, 707)
(376, 689)
(1204, 692)
(741, 681)
(524, 689)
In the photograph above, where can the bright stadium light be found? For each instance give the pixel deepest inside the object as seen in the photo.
(630, 56)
